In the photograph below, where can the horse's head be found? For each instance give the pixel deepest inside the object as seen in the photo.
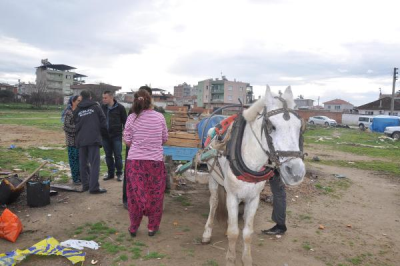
(283, 127)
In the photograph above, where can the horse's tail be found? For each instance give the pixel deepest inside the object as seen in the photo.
(222, 211)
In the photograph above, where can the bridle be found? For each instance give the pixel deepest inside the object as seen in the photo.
(267, 128)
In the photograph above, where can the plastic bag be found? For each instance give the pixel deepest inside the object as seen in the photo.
(10, 226)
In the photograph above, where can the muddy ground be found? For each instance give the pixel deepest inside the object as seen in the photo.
(360, 215)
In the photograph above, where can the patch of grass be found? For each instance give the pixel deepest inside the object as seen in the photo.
(122, 257)
(305, 217)
(139, 244)
(190, 252)
(388, 167)
(205, 215)
(89, 238)
(210, 263)
(184, 200)
(111, 248)
(154, 255)
(307, 246)
(325, 189)
(342, 135)
(137, 252)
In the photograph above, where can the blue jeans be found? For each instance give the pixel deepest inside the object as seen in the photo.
(113, 149)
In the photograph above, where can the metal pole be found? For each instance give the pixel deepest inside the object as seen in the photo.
(393, 89)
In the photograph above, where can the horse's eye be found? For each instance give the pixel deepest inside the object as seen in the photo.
(273, 128)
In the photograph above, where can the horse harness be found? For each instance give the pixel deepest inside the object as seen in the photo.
(233, 149)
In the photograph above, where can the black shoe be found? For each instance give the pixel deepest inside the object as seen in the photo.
(125, 205)
(108, 178)
(132, 234)
(99, 191)
(85, 189)
(152, 233)
(276, 230)
(119, 178)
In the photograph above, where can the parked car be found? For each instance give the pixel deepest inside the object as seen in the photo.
(393, 132)
(365, 122)
(322, 120)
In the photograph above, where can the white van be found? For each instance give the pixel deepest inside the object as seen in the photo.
(365, 122)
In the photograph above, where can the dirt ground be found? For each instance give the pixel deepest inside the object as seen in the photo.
(360, 216)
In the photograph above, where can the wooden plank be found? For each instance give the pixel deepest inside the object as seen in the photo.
(183, 143)
(178, 123)
(179, 119)
(183, 135)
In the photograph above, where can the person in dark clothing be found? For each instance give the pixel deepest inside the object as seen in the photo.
(90, 125)
(112, 143)
(124, 196)
(279, 207)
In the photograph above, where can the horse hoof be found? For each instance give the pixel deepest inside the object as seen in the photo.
(205, 242)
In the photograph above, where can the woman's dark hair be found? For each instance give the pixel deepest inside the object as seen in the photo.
(148, 89)
(74, 98)
(141, 102)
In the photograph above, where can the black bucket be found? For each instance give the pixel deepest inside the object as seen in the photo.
(38, 193)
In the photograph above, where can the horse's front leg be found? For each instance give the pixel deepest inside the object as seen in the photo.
(213, 186)
(249, 213)
(232, 204)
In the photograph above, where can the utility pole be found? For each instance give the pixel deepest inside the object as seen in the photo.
(395, 73)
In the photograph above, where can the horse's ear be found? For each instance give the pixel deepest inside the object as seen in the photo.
(288, 93)
(268, 96)
(288, 96)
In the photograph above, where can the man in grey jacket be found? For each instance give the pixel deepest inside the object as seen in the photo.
(90, 124)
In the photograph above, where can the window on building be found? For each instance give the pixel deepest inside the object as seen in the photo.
(329, 107)
(207, 87)
(337, 107)
(229, 97)
(395, 113)
(240, 88)
(381, 112)
(230, 88)
(369, 112)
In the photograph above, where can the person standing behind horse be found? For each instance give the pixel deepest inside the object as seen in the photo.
(145, 132)
(90, 124)
(112, 142)
(69, 129)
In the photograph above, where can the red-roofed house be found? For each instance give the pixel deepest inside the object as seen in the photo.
(338, 105)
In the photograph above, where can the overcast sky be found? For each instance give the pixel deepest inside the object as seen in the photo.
(323, 48)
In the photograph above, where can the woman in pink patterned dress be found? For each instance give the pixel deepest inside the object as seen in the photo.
(145, 132)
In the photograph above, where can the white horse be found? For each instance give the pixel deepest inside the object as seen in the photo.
(285, 135)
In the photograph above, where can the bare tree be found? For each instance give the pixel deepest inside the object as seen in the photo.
(38, 98)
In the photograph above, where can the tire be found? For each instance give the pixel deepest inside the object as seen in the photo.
(396, 135)
(312, 122)
(361, 126)
(327, 124)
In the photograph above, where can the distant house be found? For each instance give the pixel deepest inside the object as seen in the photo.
(96, 90)
(380, 107)
(162, 98)
(338, 105)
(302, 103)
(8, 87)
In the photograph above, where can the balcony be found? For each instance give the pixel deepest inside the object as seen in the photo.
(217, 100)
(217, 91)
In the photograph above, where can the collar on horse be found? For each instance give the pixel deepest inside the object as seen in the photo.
(234, 146)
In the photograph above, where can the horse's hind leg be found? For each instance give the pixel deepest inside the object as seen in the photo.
(232, 204)
(249, 213)
(213, 186)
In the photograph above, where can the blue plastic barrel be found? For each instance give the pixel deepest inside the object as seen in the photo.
(215, 120)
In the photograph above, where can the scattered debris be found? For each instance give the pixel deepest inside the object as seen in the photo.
(278, 236)
(80, 244)
(349, 226)
(94, 262)
(50, 148)
(339, 176)
(316, 159)
(49, 246)
(321, 227)
(10, 226)
(368, 146)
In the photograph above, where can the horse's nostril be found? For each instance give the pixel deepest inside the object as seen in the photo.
(288, 169)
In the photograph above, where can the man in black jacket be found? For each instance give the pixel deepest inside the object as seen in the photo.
(112, 142)
(90, 124)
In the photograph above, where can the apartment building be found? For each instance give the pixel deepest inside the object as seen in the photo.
(57, 77)
(215, 93)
